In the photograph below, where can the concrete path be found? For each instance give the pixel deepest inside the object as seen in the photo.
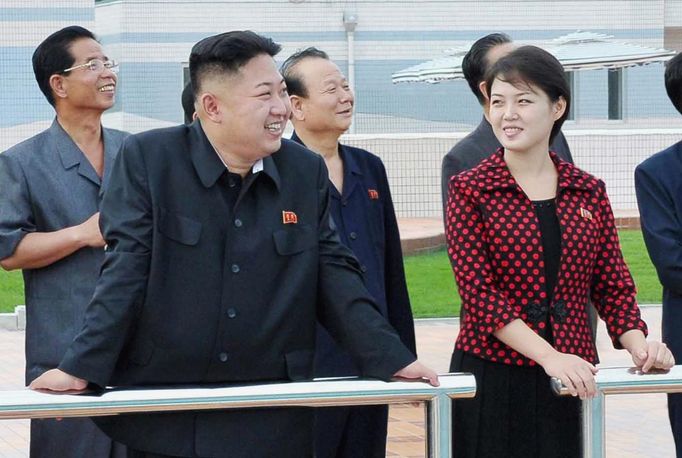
(637, 425)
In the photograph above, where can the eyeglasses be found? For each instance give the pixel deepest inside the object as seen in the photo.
(96, 65)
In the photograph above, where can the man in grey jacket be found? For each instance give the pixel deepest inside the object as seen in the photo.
(51, 186)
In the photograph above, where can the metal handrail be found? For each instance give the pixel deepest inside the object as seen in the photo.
(317, 393)
(617, 380)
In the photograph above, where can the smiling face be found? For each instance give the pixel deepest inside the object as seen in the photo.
(328, 106)
(83, 88)
(250, 106)
(522, 116)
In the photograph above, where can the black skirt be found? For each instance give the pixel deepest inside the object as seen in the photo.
(514, 414)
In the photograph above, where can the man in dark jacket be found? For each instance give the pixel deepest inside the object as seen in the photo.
(220, 258)
(362, 210)
(658, 183)
(481, 142)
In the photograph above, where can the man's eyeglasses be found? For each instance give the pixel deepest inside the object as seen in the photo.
(96, 65)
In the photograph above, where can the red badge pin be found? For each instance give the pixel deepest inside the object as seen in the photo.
(289, 217)
(373, 194)
(585, 214)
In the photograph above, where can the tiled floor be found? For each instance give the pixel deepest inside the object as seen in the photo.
(636, 425)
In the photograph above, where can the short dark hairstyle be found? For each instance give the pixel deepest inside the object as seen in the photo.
(293, 79)
(53, 55)
(673, 81)
(475, 63)
(532, 65)
(187, 100)
(227, 53)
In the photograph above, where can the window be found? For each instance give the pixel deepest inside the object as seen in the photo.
(616, 93)
(570, 79)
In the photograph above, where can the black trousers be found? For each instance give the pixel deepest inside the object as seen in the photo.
(351, 432)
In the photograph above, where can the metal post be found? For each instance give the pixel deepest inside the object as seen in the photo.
(594, 431)
(439, 427)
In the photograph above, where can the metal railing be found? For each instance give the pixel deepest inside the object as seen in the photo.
(318, 393)
(617, 380)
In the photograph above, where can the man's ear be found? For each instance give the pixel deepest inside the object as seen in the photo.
(297, 113)
(483, 89)
(58, 84)
(207, 103)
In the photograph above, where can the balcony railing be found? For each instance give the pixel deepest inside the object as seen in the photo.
(618, 380)
(318, 393)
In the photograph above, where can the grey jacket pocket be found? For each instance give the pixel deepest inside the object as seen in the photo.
(179, 228)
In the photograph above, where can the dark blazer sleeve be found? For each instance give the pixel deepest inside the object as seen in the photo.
(661, 225)
(449, 168)
(397, 297)
(560, 146)
(345, 307)
(126, 223)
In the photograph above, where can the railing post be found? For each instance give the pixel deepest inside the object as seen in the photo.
(439, 427)
(594, 439)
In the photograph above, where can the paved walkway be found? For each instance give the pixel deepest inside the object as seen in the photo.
(636, 425)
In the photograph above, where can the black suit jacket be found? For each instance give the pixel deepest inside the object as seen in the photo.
(659, 196)
(480, 144)
(196, 288)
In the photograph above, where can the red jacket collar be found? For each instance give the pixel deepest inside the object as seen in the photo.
(493, 173)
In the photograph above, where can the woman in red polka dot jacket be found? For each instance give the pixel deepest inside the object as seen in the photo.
(529, 237)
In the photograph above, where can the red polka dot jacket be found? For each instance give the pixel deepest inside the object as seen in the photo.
(495, 247)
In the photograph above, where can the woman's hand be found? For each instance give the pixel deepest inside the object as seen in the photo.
(573, 371)
(652, 354)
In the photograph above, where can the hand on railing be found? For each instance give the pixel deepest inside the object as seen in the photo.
(574, 372)
(418, 371)
(58, 381)
(653, 355)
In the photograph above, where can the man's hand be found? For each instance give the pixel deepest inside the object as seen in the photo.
(417, 371)
(58, 381)
(89, 232)
(653, 355)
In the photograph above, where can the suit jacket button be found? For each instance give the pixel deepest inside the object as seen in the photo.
(237, 223)
(231, 313)
(222, 357)
(363, 268)
(353, 235)
(235, 269)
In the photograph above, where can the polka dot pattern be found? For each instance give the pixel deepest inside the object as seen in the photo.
(495, 248)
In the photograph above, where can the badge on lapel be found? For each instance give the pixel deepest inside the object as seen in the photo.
(289, 217)
(585, 214)
(373, 194)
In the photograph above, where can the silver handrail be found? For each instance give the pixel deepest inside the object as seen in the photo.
(617, 380)
(318, 393)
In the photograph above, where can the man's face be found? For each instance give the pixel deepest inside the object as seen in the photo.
(83, 87)
(253, 108)
(329, 104)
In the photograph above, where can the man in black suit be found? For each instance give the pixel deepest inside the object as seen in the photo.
(220, 258)
(481, 142)
(659, 195)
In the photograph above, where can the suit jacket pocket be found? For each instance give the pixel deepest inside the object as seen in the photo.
(299, 364)
(179, 228)
(294, 240)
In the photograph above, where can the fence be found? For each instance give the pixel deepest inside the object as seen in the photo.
(319, 393)
(618, 380)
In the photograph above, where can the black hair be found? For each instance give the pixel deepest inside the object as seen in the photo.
(475, 62)
(530, 65)
(187, 100)
(673, 81)
(53, 55)
(293, 79)
(226, 53)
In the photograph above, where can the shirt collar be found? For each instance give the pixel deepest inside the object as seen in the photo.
(350, 165)
(210, 166)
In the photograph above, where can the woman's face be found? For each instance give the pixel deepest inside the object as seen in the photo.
(522, 117)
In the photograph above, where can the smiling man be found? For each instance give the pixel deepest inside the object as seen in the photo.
(220, 257)
(51, 186)
(362, 209)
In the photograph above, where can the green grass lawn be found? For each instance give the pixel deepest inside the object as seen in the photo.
(433, 292)
(430, 280)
